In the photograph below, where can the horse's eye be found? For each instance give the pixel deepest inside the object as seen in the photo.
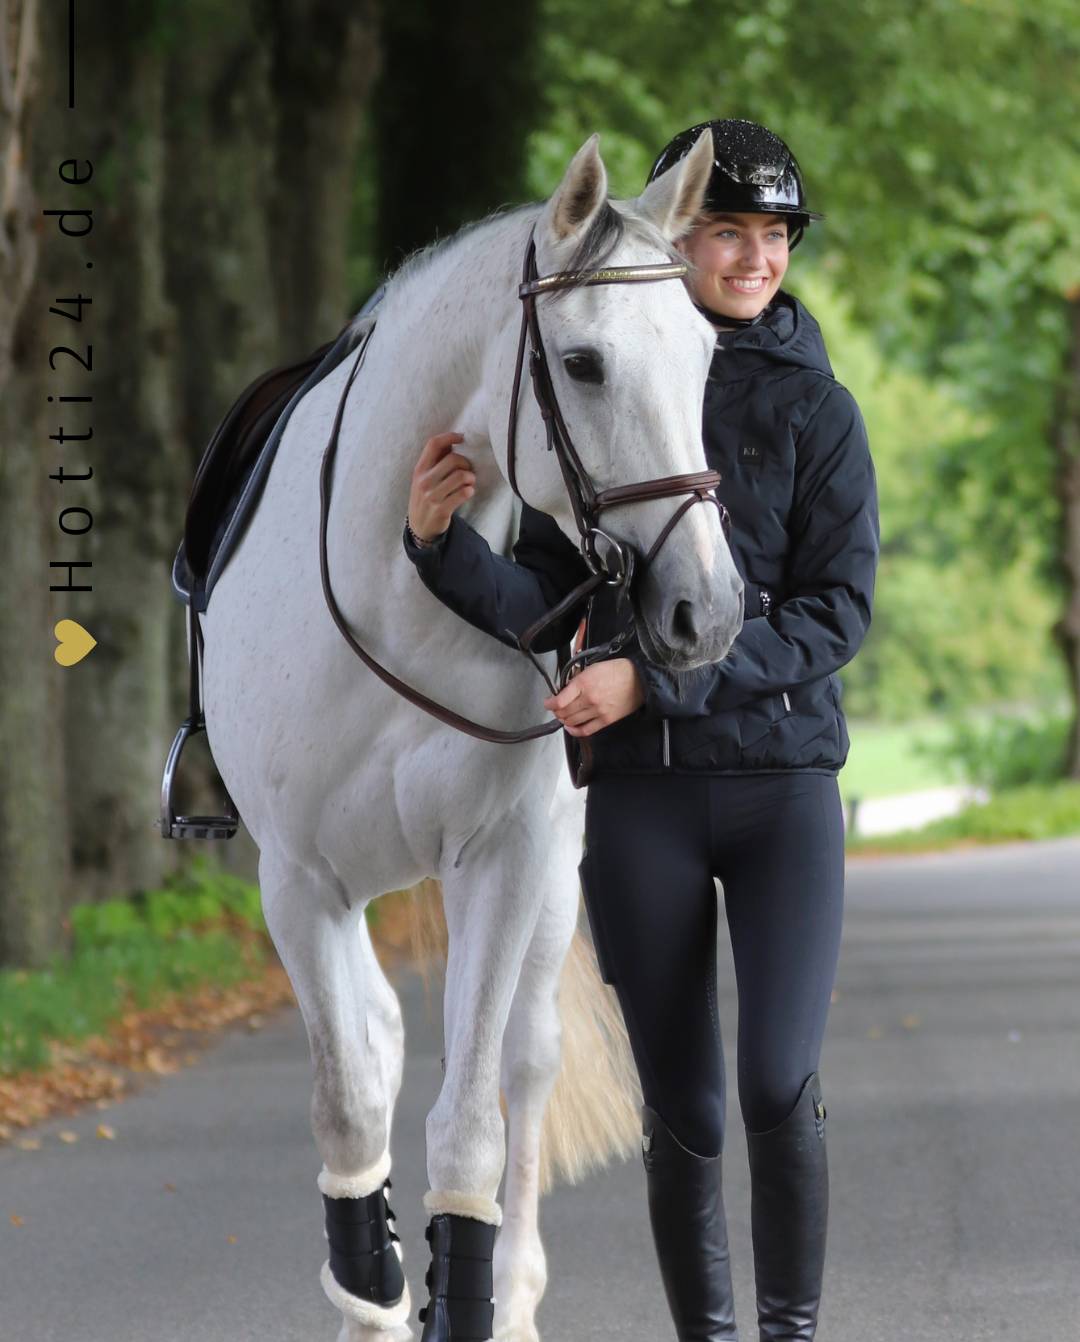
(584, 366)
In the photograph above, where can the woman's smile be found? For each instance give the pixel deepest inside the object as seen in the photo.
(741, 260)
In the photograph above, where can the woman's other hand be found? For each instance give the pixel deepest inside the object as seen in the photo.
(442, 480)
(598, 696)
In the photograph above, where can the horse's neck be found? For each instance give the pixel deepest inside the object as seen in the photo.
(424, 375)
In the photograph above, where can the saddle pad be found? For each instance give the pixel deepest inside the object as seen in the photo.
(234, 468)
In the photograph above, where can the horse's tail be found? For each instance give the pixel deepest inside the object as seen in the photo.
(593, 1113)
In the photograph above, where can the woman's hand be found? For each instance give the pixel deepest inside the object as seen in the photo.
(442, 480)
(598, 696)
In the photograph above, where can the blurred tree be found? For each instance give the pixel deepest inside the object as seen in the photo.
(33, 820)
(942, 141)
(208, 268)
(458, 95)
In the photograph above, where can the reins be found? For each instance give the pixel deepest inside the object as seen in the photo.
(611, 562)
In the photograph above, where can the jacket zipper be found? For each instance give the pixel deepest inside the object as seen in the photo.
(666, 743)
(787, 701)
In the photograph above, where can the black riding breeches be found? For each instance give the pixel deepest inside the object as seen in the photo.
(653, 844)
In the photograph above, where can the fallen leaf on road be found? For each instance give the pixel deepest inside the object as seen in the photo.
(105, 1132)
(29, 1143)
(169, 1188)
(231, 1239)
(16, 1220)
(159, 1062)
(911, 1021)
(68, 1136)
(875, 1032)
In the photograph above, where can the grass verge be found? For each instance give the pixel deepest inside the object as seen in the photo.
(1035, 811)
(203, 927)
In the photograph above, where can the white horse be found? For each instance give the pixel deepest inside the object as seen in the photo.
(350, 792)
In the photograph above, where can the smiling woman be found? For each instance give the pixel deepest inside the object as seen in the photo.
(726, 769)
(740, 260)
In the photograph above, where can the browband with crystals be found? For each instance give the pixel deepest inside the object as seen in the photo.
(562, 279)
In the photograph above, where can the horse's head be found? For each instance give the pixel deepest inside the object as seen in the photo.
(628, 364)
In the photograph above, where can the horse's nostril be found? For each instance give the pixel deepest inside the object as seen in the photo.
(682, 622)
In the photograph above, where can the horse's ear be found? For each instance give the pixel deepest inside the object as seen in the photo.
(580, 195)
(674, 200)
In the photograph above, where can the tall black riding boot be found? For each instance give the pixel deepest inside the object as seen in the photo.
(461, 1307)
(686, 1209)
(789, 1208)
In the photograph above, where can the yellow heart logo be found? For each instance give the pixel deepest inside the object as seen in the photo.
(73, 642)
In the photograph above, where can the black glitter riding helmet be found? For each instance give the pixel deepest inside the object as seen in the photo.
(754, 172)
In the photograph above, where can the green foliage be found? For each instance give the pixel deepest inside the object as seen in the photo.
(1005, 751)
(129, 954)
(952, 627)
(1036, 811)
(885, 758)
(941, 141)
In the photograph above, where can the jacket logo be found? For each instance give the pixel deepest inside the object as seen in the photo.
(750, 454)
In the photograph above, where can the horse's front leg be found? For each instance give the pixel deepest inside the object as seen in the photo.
(492, 892)
(355, 1032)
(530, 1066)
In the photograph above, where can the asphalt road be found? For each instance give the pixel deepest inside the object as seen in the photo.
(951, 1073)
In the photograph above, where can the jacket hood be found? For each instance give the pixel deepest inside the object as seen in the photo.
(787, 334)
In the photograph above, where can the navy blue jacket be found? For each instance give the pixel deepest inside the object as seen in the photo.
(798, 481)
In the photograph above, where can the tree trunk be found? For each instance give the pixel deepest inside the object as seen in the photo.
(258, 231)
(115, 724)
(33, 835)
(223, 147)
(458, 96)
(1067, 449)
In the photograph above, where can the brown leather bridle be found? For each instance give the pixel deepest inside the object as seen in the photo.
(612, 565)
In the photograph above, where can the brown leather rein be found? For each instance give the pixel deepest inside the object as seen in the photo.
(609, 560)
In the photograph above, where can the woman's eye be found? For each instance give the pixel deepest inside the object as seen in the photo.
(584, 367)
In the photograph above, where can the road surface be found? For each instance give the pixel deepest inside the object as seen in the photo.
(951, 1073)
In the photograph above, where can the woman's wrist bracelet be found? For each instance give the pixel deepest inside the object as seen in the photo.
(422, 544)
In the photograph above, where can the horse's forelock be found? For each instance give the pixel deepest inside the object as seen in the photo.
(608, 228)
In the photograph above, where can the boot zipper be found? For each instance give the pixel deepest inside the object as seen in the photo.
(666, 740)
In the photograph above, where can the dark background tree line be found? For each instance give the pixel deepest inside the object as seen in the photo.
(258, 166)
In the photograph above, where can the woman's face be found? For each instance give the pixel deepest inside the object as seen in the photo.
(741, 259)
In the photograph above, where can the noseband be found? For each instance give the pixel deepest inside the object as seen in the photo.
(610, 561)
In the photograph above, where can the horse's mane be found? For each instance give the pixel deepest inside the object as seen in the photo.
(612, 222)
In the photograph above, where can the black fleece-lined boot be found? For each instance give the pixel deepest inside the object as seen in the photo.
(686, 1210)
(462, 1303)
(789, 1208)
(363, 1275)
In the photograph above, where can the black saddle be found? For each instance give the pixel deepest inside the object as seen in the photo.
(227, 486)
(234, 467)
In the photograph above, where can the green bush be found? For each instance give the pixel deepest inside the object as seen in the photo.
(1035, 811)
(1005, 751)
(129, 953)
